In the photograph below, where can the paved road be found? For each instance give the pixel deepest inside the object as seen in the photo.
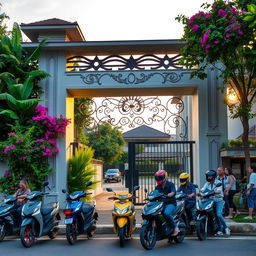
(108, 246)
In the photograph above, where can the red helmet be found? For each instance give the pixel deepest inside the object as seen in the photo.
(160, 176)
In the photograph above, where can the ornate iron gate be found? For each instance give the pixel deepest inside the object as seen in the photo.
(145, 158)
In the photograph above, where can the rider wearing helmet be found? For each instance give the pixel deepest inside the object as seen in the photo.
(168, 188)
(188, 189)
(211, 183)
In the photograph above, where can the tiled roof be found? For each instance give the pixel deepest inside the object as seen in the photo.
(49, 22)
(145, 131)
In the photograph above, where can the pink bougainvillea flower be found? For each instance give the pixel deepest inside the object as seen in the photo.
(21, 140)
(216, 42)
(204, 39)
(228, 35)
(195, 28)
(6, 149)
(40, 140)
(12, 147)
(222, 12)
(208, 15)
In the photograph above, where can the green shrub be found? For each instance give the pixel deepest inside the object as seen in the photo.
(80, 170)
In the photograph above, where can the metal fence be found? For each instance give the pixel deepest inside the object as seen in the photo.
(145, 158)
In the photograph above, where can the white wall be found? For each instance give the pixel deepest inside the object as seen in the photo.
(235, 127)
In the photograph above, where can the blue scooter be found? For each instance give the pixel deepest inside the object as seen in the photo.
(10, 217)
(81, 217)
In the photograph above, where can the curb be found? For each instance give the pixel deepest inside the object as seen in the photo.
(235, 228)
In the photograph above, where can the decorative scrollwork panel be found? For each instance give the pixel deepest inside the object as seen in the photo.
(133, 111)
(119, 63)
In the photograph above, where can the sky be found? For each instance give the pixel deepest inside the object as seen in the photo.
(108, 19)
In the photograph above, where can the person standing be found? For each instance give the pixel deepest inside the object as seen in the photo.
(211, 184)
(225, 183)
(231, 191)
(251, 191)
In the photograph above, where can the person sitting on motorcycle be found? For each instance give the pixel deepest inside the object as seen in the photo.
(22, 192)
(188, 189)
(211, 183)
(166, 187)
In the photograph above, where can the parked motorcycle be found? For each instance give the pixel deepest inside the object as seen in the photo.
(38, 220)
(154, 226)
(123, 214)
(10, 217)
(206, 217)
(81, 217)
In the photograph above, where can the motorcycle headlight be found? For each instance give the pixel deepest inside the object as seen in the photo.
(121, 211)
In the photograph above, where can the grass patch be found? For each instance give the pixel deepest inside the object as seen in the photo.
(240, 218)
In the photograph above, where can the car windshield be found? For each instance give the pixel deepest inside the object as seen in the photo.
(112, 171)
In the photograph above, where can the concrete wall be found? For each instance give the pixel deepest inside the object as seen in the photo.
(3, 168)
(98, 166)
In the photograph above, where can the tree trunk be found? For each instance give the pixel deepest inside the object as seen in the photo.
(245, 139)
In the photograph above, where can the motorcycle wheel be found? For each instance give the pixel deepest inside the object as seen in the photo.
(201, 230)
(2, 232)
(91, 232)
(147, 237)
(71, 233)
(52, 234)
(27, 235)
(121, 234)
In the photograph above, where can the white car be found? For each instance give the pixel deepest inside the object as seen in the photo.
(112, 175)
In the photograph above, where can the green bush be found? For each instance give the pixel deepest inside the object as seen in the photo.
(80, 170)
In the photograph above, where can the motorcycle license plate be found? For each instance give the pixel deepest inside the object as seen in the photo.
(68, 221)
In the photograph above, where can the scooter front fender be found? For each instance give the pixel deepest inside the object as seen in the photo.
(201, 217)
(121, 222)
(27, 221)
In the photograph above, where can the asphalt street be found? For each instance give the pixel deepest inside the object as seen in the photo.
(108, 246)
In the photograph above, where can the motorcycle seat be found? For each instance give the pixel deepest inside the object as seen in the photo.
(48, 208)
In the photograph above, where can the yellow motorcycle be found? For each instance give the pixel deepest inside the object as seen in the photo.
(123, 214)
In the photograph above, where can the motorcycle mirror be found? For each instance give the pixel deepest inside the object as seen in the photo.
(46, 183)
(136, 188)
(145, 190)
(109, 189)
(64, 191)
(89, 183)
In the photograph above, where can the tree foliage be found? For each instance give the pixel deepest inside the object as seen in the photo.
(107, 142)
(19, 75)
(82, 118)
(221, 37)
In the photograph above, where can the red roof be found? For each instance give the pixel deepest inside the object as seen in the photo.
(50, 22)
